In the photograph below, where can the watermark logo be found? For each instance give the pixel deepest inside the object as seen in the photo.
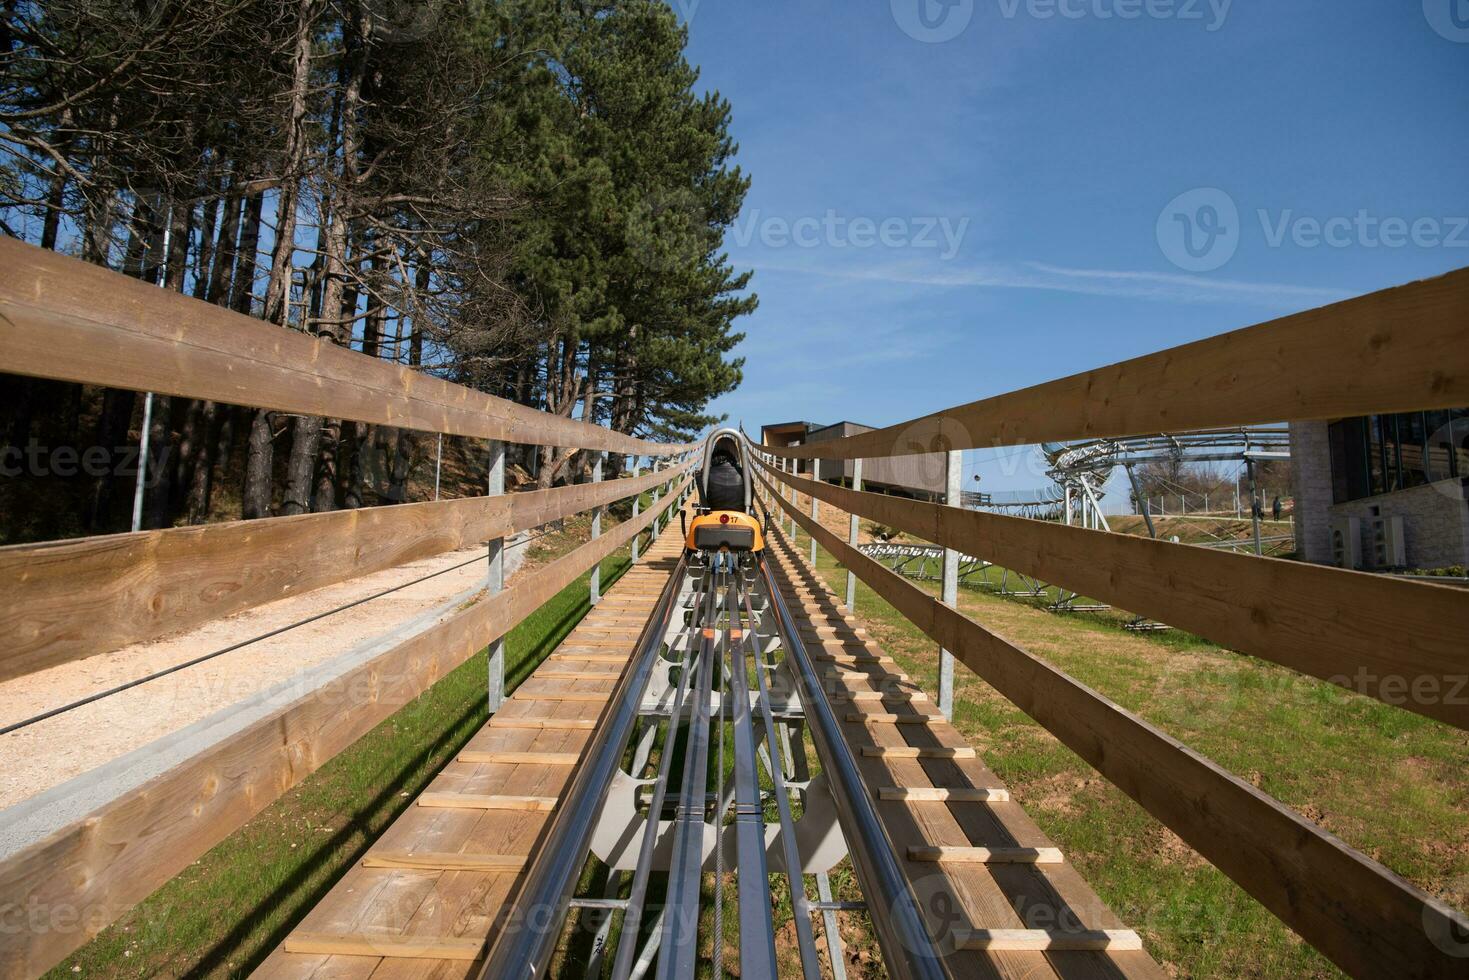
(1447, 928)
(1211, 13)
(838, 231)
(933, 21)
(667, 231)
(1199, 230)
(1448, 18)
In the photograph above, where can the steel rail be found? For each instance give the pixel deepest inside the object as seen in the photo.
(907, 947)
(525, 947)
(757, 925)
(800, 904)
(623, 965)
(678, 950)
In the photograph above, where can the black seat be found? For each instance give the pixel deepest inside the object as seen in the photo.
(726, 489)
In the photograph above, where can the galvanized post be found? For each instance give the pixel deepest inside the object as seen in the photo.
(955, 469)
(794, 468)
(815, 516)
(143, 449)
(657, 493)
(438, 464)
(1255, 507)
(637, 503)
(597, 530)
(496, 488)
(852, 537)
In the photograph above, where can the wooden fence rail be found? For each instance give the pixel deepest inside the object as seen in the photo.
(66, 600)
(1398, 350)
(1364, 632)
(69, 320)
(1365, 918)
(84, 875)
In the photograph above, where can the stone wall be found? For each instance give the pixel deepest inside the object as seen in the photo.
(1435, 517)
(1435, 522)
(1310, 465)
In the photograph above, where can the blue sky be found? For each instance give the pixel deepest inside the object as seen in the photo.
(1027, 184)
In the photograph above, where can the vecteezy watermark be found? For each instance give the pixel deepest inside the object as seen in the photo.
(1211, 13)
(34, 459)
(1201, 230)
(834, 230)
(933, 21)
(1448, 928)
(936, 21)
(1449, 18)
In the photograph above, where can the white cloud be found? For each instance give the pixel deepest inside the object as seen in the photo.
(1165, 287)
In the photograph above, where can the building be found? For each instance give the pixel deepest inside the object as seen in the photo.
(921, 476)
(1384, 491)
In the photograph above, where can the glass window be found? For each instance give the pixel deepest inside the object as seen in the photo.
(1376, 458)
(1348, 441)
(1438, 427)
(1412, 454)
(1382, 453)
(1459, 439)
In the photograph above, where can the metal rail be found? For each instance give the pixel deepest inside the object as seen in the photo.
(525, 948)
(907, 948)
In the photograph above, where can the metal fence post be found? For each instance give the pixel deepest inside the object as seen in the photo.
(1255, 506)
(657, 495)
(596, 593)
(954, 468)
(438, 464)
(815, 517)
(637, 503)
(496, 488)
(852, 537)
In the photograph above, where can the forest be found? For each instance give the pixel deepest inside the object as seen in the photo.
(527, 197)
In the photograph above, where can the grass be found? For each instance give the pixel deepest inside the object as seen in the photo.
(223, 915)
(1389, 782)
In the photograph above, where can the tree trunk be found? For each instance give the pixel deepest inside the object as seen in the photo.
(261, 456)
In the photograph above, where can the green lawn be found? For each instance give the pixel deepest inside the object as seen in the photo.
(1389, 782)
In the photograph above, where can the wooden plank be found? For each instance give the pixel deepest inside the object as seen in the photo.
(475, 757)
(70, 320)
(888, 697)
(941, 794)
(575, 675)
(66, 600)
(882, 718)
(986, 855)
(1291, 866)
(572, 724)
(159, 828)
(1397, 350)
(562, 694)
(910, 752)
(481, 801)
(1403, 642)
(443, 861)
(857, 675)
(1047, 940)
(829, 658)
(387, 945)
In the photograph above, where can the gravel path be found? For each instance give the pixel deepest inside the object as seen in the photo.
(50, 752)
